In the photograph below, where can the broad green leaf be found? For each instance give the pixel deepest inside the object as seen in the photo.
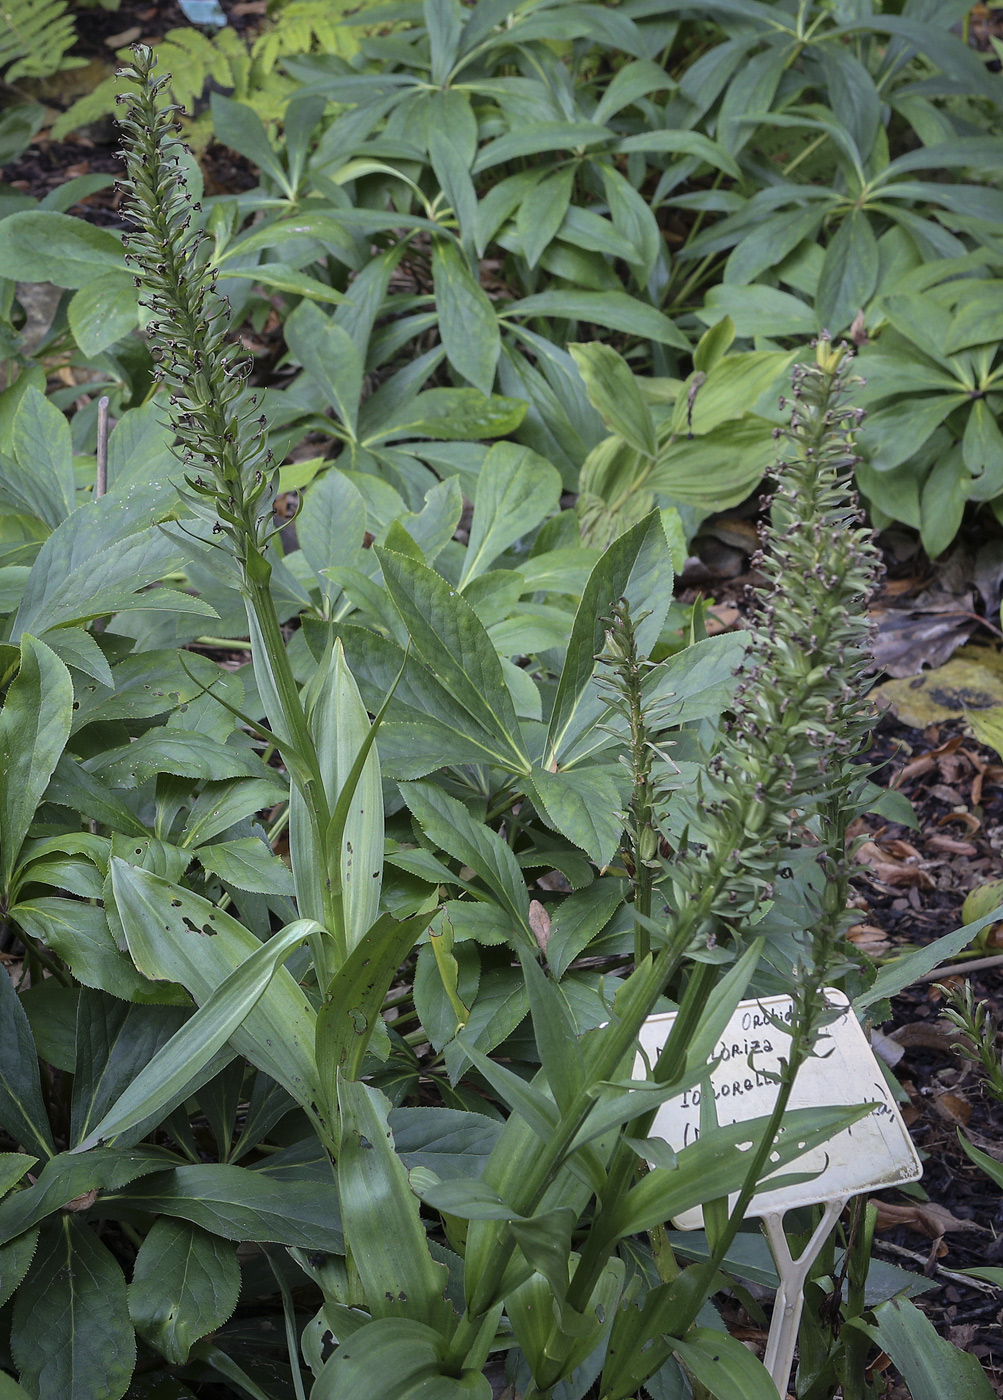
(614, 309)
(452, 642)
(452, 142)
(346, 1019)
(447, 1141)
(770, 241)
(383, 1228)
(452, 415)
(350, 858)
(44, 451)
(37, 245)
(982, 446)
(638, 566)
(331, 524)
(583, 805)
(714, 1166)
(79, 934)
(34, 727)
(77, 648)
(185, 1284)
(897, 432)
(849, 273)
(759, 311)
(633, 219)
(500, 1006)
(732, 387)
(515, 491)
(724, 1365)
(182, 752)
(15, 1260)
(22, 1109)
(977, 319)
(556, 1037)
(221, 805)
(942, 503)
(713, 345)
(68, 1176)
(330, 358)
(71, 1337)
(542, 213)
(449, 824)
(399, 1359)
(678, 142)
(719, 469)
(95, 563)
(238, 1204)
(248, 863)
(114, 1040)
(13, 1166)
(103, 311)
(989, 1165)
(467, 321)
(578, 919)
(168, 1077)
(536, 137)
(177, 936)
(238, 125)
(930, 1366)
(286, 279)
(614, 393)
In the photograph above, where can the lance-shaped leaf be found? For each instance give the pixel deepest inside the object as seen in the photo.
(167, 1079)
(637, 566)
(34, 726)
(22, 1110)
(451, 640)
(238, 1204)
(383, 1228)
(68, 1176)
(449, 824)
(185, 1284)
(348, 1015)
(516, 489)
(397, 1359)
(177, 936)
(349, 854)
(71, 1337)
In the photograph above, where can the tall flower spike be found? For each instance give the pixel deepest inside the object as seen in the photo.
(800, 712)
(223, 438)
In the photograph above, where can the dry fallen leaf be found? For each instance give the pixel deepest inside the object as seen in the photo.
(955, 1108)
(869, 939)
(926, 1217)
(539, 922)
(894, 866)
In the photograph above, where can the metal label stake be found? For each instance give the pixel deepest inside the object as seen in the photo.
(874, 1153)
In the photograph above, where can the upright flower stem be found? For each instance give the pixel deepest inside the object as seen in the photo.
(232, 481)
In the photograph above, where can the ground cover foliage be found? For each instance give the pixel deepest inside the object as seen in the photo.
(540, 275)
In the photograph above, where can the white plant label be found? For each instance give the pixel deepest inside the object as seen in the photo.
(873, 1153)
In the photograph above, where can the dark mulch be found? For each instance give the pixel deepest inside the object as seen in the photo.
(912, 886)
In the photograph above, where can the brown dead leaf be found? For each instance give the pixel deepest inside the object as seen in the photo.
(869, 939)
(950, 846)
(721, 618)
(942, 1035)
(926, 1217)
(884, 865)
(83, 1202)
(955, 1108)
(926, 631)
(539, 922)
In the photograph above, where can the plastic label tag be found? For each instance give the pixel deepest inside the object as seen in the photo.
(874, 1153)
